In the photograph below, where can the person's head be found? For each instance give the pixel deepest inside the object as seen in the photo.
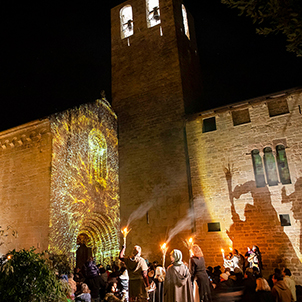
(277, 277)
(137, 250)
(261, 284)
(197, 252)
(70, 276)
(176, 257)
(224, 277)
(210, 269)
(248, 273)
(286, 272)
(255, 248)
(85, 288)
(230, 255)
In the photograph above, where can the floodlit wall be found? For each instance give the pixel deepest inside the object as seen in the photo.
(227, 179)
(84, 181)
(25, 161)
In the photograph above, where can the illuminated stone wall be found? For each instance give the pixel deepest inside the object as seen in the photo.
(25, 161)
(84, 181)
(224, 183)
(59, 181)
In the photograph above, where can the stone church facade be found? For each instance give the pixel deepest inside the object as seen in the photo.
(229, 177)
(59, 183)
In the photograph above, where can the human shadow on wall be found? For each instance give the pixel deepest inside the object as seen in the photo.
(261, 226)
(296, 199)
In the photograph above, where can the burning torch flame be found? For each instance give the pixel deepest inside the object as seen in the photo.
(125, 232)
(164, 248)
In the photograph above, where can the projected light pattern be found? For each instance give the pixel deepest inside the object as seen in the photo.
(84, 181)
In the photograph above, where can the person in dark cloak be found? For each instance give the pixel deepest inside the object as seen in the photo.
(178, 285)
(199, 273)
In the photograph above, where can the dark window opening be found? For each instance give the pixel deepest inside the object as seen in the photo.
(277, 107)
(241, 117)
(209, 124)
(214, 227)
(284, 220)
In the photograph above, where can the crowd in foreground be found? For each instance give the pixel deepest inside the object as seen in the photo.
(134, 279)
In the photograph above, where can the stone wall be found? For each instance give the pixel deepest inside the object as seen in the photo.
(224, 185)
(25, 162)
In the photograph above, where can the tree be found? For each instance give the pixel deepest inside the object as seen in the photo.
(26, 276)
(276, 16)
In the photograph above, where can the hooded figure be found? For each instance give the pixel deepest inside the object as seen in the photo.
(280, 291)
(178, 285)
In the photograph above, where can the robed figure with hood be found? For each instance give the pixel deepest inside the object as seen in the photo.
(178, 285)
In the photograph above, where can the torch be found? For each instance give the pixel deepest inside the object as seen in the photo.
(164, 249)
(125, 232)
(222, 252)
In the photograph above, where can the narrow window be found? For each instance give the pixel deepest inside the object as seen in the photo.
(270, 166)
(185, 21)
(209, 124)
(282, 165)
(153, 13)
(258, 168)
(126, 19)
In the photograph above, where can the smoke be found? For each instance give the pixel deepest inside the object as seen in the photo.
(140, 211)
(182, 225)
(187, 222)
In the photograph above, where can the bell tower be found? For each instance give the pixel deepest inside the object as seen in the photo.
(155, 80)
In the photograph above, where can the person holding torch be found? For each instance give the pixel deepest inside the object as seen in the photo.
(137, 271)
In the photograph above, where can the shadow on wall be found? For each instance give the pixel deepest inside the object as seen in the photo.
(296, 199)
(261, 227)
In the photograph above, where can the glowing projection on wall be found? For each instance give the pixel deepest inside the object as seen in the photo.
(97, 156)
(84, 181)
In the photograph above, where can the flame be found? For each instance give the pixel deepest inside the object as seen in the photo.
(231, 249)
(164, 248)
(191, 240)
(125, 231)
(222, 250)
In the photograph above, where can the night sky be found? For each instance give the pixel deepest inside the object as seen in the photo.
(57, 56)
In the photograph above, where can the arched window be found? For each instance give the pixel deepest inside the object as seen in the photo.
(270, 166)
(282, 165)
(258, 168)
(126, 19)
(97, 156)
(185, 21)
(152, 12)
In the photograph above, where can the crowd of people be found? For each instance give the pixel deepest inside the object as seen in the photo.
(135, 279)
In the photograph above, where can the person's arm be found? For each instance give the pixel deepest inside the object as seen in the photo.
(122, 253)
(145, 277)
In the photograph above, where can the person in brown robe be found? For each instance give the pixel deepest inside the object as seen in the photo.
(178, 285)
(137, 271)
